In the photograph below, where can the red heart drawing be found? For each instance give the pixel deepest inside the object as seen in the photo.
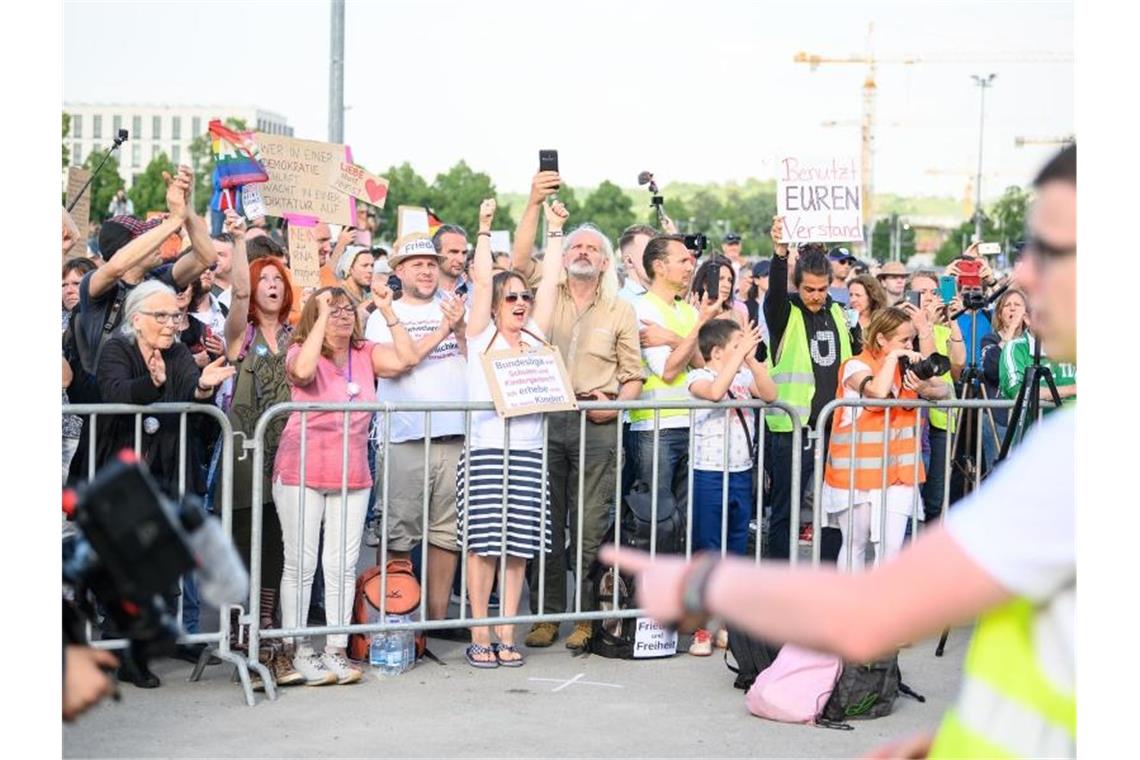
(375, 190)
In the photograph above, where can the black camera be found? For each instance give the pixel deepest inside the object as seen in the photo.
(932, 366)
(697, 243)
(973, 299)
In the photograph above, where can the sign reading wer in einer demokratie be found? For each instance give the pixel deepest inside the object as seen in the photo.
(301, 176)
(820, 199)
(526, 382)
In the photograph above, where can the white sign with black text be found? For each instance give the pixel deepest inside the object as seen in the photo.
(651, 639)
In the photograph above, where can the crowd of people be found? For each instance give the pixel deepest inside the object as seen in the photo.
(223, 323)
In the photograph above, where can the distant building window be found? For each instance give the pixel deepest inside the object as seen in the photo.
(97, 126)
(136, 155)
(76, 125)
(176, 154)
(156, 128)
(136, 127)
(155, 149)
(196, 125)
(76, 154)
(176, 127)
(116, 124)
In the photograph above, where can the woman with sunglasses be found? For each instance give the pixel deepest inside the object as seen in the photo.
(329, 361)
(505, 315)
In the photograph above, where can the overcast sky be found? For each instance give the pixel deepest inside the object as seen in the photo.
(693, 91)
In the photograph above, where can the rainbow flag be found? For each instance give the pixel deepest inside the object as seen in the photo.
(237, 158)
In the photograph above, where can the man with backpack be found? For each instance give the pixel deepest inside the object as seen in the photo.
(1006, 553)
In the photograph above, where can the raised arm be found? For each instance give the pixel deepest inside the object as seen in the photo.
(71, 233)
(542, 187)
(241, 288)
(304, 366)
(188, 268)
(547, 295)
(715, 389)
(482, 271)
(390, 360)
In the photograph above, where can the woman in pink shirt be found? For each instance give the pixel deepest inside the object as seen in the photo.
(330, 362)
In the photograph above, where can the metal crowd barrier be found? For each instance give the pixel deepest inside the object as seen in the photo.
(955, 409)
(385, 410)
(218, 641)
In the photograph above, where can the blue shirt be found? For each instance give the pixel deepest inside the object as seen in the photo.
(966, 323)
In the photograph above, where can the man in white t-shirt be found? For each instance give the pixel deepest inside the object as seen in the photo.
(435, 324)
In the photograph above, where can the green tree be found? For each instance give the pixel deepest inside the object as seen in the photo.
(1008, 214)
(609, 209)
(455, 197)
(148, 192)
(104, 185)
(66, 132)
(202, 162)
(882, 239)
(405, 188)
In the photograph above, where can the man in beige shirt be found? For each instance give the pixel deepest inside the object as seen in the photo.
(597, 334)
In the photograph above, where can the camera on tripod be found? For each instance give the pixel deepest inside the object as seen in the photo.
(697, 243)
(932, 366)
(132, 547)
(970, 286)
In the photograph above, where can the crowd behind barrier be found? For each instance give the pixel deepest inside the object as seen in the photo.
(713, 402)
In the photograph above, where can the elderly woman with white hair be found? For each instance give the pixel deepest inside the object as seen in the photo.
(145, 364)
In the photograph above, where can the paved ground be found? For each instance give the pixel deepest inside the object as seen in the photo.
(681, 707)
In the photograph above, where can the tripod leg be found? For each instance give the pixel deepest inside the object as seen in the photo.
(942, 642)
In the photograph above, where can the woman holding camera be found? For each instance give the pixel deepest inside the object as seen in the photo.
(853, 495)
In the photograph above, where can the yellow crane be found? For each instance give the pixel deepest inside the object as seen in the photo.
(872, 62)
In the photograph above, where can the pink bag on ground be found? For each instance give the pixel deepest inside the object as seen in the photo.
(795, 687)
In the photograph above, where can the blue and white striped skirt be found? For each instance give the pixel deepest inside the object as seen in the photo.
(481, 510)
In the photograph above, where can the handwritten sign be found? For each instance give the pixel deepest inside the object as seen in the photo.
(81, 214)
(304, 256)
(301, 176)
(820, 199)
(652, 640)
(526, 382)
(353, 180)
(251, 204)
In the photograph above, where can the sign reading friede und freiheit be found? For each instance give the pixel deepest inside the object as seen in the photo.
(820, 199)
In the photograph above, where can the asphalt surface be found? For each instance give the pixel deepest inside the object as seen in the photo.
(555, 706)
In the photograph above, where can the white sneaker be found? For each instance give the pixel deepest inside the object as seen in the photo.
(312, 668)
(341, 668)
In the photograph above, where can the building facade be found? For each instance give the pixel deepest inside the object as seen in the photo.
(153, 130)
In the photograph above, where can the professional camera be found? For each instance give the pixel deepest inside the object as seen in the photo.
(697, 243)
(132, 547)
(932, 366)
(971, 289)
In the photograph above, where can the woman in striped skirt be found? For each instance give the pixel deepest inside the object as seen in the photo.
(505, 315)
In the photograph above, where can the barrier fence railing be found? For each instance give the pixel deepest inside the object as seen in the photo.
(956, 409)
(218, 641)
(384, 413)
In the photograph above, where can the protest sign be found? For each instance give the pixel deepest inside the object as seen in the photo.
(81, 214)
(528, 381)
(411, 219)
(355, 181)
(304, 255)
(820, 199)
(301, 175)
(651, 639)
(251, 204)
(500, 241)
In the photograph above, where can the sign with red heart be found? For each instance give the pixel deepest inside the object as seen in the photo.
(356, 181)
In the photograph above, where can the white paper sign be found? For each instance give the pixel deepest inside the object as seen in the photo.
(500, 241)
(820, 199)
(251, 202)
(651, 640)
(411, 219)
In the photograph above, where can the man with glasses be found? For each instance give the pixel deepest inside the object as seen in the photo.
(596, 333)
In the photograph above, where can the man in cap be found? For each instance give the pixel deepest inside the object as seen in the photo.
(731, 247)
(434, 321)
(354, 270)
(841, 261)
(892, 276)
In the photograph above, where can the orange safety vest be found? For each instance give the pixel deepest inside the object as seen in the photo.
(865, 440)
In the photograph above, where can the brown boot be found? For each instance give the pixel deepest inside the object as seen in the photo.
(541, 635)
(580, 638)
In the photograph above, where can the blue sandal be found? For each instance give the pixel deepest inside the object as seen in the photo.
(513, 662)
(474, 650)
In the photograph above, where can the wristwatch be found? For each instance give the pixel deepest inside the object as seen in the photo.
(696, 582)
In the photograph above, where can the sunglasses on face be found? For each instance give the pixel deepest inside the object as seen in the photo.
(525, 297)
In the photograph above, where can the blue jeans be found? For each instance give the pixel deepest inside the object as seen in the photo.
(190, 608)
(707, 491)
(672, 484)
(933, 490)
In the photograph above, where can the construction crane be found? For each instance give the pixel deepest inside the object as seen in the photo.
(969, 174)
(1021, 142)
(870, 87)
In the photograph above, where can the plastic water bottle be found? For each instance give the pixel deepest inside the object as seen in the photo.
(409, 637)
(394, 650)
(376, 652)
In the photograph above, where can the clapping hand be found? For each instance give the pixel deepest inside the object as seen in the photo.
(454, 313)
(157, 368)
(178, 191)
(752, 338)
(214, 373)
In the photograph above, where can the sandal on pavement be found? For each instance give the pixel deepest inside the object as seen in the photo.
(514, 662)
(474, 650)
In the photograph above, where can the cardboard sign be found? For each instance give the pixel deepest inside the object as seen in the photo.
(81, 214)
(355, 181)
(301, 176)
(304, 256)
(500, 241)
(528, 381)
(652, 640)
(820, 199)
(411, 219)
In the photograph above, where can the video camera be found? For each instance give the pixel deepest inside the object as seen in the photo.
(132, 547)
(697, 243)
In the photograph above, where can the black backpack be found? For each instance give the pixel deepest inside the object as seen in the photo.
(866, 691)
(612, 637)
(637, 524)
(752, 657)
